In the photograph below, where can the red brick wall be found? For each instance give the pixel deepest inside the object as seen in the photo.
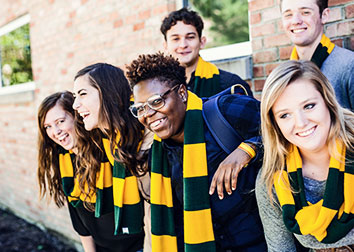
(270, 44)
(66, 35)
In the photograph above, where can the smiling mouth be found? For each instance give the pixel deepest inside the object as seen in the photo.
(84, 114)
(307, 132)
(155, 124)
(63, 138)
(299, 30)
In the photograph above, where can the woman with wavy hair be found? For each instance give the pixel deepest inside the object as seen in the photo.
(305, 188)
(56, 138)
(102, 99)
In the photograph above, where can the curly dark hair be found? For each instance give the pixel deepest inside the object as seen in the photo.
(187, 16)
(156, 66)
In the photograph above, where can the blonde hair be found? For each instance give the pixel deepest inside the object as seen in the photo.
(276, 147)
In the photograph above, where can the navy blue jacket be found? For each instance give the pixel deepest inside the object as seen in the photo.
(236, 221)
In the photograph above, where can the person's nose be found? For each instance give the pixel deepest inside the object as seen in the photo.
(76, 103)
(56, 130)
(183, 43)
(149, 111)
(296, 19)
(301, 120)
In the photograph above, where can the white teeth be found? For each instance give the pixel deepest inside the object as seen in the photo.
(307, 132)
(83, 114)
(156, 123)
(298, 30)
(62, 137)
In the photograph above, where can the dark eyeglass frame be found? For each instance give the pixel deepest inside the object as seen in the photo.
(134, 108)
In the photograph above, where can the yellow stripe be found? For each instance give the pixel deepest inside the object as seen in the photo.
(325, 41)
(104, 179)
(194, 102)
(157, 138)
(161, 190)
(194, 159)
(107, 149)
(293, 160)
(164, 243)
(131, 191)
(201, 230)
(206, 69)
(294, 55)
(248, 149)
(315, 219)
(65, 166)
(282, 187)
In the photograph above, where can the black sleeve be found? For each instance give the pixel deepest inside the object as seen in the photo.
(76, 221)
(228, 79)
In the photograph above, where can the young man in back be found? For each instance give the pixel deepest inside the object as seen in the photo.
(182, 30)
(303, 22)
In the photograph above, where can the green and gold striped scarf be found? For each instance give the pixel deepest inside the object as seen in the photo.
(115, 189)
(323, 50)
(332, 217)
(198, 228)
(207, 79)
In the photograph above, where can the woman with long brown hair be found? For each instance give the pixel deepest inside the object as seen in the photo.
(102, 99)
(56, 138)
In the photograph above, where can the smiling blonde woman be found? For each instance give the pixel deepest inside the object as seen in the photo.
(306, 183)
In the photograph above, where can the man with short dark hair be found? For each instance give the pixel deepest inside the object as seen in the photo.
(303, 22)
(182, 30)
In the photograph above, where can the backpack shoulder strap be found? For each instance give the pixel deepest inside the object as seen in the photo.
(224, 134)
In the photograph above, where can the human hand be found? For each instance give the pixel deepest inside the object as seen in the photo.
(227, 171)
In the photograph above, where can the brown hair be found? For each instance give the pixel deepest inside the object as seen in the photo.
(114, 93)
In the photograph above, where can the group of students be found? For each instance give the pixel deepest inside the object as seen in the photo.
(142, 167)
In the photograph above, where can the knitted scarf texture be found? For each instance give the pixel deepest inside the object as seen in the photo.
(115, 189)
(332, 217)
(198, 228)
(323, 50)
(207, 79)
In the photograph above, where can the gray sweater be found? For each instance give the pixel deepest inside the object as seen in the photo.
(339, 70)
(277, 236)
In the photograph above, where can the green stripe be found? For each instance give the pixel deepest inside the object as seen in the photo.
(193, 126)
(130, 216)
(289, 213)
(68, 185)
(158, 157)
(336, 230)
(320, 55)
(349, 166)
(206, 87)
(200, 247)
(196, 196)
(334, 192)
(164, 224)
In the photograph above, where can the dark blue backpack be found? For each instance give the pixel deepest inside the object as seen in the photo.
(224, 134)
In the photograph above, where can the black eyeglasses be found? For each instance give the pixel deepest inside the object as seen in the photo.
(155, 102)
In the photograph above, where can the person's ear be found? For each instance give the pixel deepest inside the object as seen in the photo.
(182, 92)
(202, 42)
(164, 44)
(325, 16)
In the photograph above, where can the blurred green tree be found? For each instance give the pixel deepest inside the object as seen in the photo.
(229, 20)
(16, 56)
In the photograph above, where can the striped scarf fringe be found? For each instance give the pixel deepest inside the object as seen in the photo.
(198, 228)
(332, 217)
(207, 79)
(323, 50)
(116, 189)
